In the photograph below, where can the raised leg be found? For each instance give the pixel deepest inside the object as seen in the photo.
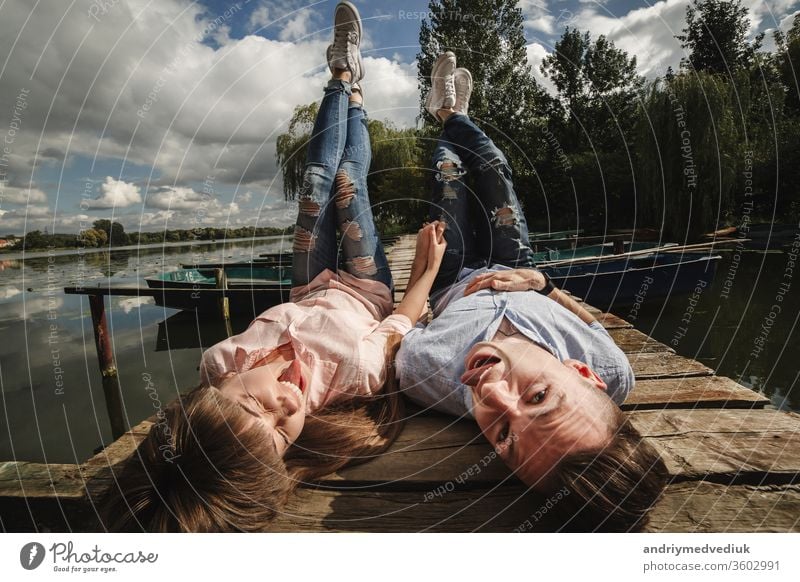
(451, 204)
(501, 228)
(363, 251)
(315, 232)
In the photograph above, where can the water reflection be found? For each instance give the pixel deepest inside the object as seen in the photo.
(53, 403)
(729, 326)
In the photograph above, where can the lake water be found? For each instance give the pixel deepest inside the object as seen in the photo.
(53, 405)
(744, 325)
(52, 397)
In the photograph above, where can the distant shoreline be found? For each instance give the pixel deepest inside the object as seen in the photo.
(62, 252)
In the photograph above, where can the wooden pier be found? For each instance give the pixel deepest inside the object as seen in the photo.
(735, 464)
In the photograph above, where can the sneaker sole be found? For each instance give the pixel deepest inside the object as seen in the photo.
(462, 72)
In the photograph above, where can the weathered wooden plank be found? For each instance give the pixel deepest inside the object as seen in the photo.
(665, 365)
(432, 451)
(710, 507)
(633, 341)
(698, 392)
(725, 446)
(488, 510)
(21, 479)
(608, 320)
(122, 448)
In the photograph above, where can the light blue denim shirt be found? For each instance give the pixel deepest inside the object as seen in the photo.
(431, 358)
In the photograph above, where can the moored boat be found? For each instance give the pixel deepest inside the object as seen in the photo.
(621, 281)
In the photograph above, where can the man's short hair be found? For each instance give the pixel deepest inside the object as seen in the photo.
(611, 489)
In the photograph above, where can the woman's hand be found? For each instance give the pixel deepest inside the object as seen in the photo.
(430, 251)
(513, 280)
(430, 247)
(436, 246)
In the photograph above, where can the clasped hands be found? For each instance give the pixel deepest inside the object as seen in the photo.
(431, 245)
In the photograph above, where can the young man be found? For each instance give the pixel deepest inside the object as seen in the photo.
(542, 378)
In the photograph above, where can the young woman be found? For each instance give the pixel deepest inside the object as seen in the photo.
(306, 389)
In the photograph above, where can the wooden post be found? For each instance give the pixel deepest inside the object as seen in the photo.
(224, 306)
(105, 357)
(619, 246)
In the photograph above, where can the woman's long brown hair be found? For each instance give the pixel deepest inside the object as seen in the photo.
(205, 467)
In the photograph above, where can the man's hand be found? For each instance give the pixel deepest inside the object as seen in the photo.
(513, 280)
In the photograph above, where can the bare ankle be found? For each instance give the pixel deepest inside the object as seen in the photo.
(356, 97)
(342, 75)
(443, 114)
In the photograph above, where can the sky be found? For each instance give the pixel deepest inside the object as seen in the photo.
(164, 113)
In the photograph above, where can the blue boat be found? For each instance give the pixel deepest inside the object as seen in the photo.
(602, 282)
(622, 281)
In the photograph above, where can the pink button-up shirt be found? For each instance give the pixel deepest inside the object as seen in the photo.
(338, 324)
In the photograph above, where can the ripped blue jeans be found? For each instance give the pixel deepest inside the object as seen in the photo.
(486, 225)
(334, 194)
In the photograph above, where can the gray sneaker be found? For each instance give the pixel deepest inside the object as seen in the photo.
(463, 82)
(443, 91)
(344, 52)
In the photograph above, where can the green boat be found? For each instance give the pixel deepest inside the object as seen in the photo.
(250, 288)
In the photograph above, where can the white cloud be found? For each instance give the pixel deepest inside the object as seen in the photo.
(647, 33)
(259, 18)
(130, 303)
(14, 195)
(177, 198)
(143, 87)
(9, 292)
(537, 16)
(390, 90)
(536, 54)
(30, 211)
(116, 194)
(298, 27)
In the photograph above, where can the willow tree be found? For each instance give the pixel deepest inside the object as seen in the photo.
(290, 148)
(689, 153)
(396, 180)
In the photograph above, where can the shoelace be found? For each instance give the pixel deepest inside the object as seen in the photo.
(341, 39)
(450, 88)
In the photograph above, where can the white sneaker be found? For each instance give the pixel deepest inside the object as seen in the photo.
(462, 79)
(344, 52)
(443, 91)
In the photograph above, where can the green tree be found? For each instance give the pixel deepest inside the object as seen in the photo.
(35, 240)
(291, 146)
(716, 37)
(788, 63)
(93, 237)
(487, 38)
(587, 162)
(690, 151)
(598, 86)
(114, 231)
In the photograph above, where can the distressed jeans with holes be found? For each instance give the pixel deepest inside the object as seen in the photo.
(486, 225)
(334, 194)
